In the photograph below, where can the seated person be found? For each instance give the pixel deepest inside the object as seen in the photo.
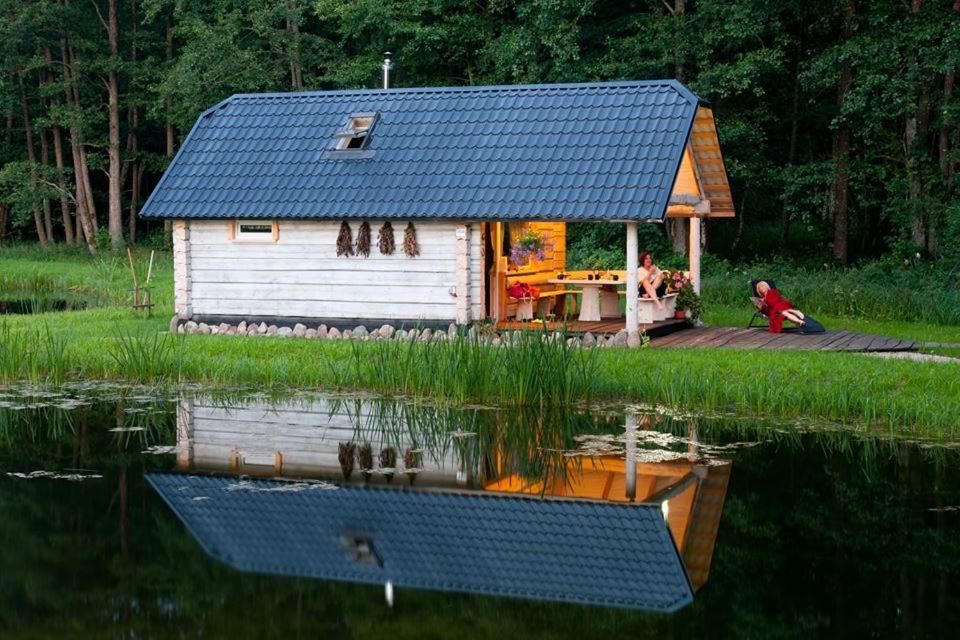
(651, 279)
(776, 307)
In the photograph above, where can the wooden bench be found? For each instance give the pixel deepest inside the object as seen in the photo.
(524, 309)
(647, 312)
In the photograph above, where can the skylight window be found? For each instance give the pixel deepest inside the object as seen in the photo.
(355, 135)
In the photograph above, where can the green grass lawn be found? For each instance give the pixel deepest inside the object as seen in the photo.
(903, 398)
(739, 316)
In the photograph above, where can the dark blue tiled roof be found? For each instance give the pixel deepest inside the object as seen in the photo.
(601, 151)
(559, 550)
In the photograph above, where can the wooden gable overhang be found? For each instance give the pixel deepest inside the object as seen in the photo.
(702, 188)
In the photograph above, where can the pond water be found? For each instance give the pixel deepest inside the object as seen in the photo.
(27, 306)
(134, 514)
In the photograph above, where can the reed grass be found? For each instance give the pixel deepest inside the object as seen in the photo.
(148, 357)
(901, 398)
(531, 368)
(37, 355)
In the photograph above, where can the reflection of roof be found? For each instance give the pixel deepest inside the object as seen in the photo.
(705, 523)
(694, 516)
(555, 549)
(597, 151)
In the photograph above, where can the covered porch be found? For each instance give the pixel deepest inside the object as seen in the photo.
(604, 300)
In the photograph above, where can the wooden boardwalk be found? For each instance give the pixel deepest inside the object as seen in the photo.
(604, 327)
(760, 338)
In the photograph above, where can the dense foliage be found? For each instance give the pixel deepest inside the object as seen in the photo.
(838, 119)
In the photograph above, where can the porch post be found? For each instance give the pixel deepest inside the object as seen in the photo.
(694, 249)
(633, 286)
(630, 483)
(463, 274)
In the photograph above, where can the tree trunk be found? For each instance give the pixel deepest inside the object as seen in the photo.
(913, 135)
(943, 145)
(678, 229)
(86, 213)
(32, 158)
(115, 219)
(840, 195)
(741, 216)
(8, 134)
(85, 170)
(679, 10)
(132, 139)
(8, 140)
(293, 27)
(45, 162)
(4, 216)
(58, 156)
(171, 143)
(62, 184)
(947, 165)
(137, 178)
(792, 148)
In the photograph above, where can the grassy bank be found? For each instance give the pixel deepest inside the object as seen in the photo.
(909, 398)
(111, 342)
(910, 292)
(70, 274)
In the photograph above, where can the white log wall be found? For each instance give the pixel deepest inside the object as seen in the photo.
(306, 435)
(181, 269)
(300, 275)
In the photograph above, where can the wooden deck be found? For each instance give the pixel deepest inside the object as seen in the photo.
(611, 326)
(678, 333)
(760, 338)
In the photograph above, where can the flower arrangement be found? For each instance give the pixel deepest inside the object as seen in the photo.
(528, 245)
(676, 280)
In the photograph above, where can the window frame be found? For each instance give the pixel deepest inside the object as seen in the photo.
(349, 132)
(236, 234)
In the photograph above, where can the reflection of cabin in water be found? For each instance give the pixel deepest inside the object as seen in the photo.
(659, 510)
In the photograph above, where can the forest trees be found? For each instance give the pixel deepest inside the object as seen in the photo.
(841, 117)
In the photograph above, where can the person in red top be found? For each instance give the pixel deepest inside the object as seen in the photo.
(777, 308)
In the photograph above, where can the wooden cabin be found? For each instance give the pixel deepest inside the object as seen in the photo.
(399, 205)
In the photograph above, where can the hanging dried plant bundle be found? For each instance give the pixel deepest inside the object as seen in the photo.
(410, 246)
(363, 239)
(365, 457)
(412, 459)
(388, 460)
(346, 453)
(345, 240)
(385, 239)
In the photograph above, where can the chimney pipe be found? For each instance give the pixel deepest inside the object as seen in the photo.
(387, 68)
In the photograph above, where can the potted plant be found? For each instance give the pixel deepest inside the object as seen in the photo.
(689, 303)
(528, 245)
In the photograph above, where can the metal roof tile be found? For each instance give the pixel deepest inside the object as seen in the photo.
(478, 151)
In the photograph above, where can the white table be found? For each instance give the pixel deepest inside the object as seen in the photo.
(600, 298)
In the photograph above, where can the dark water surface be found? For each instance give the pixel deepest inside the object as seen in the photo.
(128, 514)
(38, 305)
